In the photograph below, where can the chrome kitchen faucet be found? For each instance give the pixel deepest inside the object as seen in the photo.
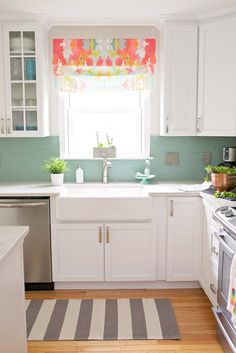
(106, 164)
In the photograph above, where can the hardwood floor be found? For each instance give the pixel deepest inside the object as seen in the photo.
(193, 313)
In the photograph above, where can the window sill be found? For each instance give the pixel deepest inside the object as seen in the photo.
(74, 157)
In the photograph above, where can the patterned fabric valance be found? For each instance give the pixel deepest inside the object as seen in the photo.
(81, 64)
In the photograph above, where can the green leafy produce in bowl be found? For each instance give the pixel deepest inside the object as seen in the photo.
(220, 169)
(225, 194)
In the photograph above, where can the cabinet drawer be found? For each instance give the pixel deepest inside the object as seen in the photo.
(213, 284)
(214, 246)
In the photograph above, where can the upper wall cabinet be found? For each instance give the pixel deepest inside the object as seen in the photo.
(217, 79)
(179, 80)
(25, 109)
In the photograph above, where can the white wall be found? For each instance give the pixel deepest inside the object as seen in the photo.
(69, 32)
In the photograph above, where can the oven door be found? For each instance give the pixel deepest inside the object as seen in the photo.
(226, 332)
(227, 250)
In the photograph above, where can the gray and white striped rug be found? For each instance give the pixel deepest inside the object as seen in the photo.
(101, 319)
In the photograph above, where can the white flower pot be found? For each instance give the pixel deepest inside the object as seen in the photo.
(57, 179)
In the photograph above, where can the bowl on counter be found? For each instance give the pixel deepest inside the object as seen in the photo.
(223, 182)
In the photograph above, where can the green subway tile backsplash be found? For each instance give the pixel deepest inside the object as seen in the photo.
(21, 159)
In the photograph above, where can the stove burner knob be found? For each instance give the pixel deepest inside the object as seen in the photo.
(223, 209)
(228, 213)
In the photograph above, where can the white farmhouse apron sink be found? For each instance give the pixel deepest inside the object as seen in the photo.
(99, 202)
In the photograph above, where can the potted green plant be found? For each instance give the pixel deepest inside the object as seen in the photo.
(104, 150)
(56, 167)
(222, 178)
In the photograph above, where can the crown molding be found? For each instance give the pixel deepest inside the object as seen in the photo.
(214, 15)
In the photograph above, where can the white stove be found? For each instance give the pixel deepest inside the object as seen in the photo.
(226, 216)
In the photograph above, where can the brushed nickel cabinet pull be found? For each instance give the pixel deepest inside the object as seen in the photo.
(212, 287)
(199, 124)
(171, 208)
(213, 249)
(107, 234)
(8, 126)
(100, 234)
(167, 126)
(2, 126)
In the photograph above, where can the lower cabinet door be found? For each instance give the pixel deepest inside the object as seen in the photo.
(184, 238)
(130, 252)
(78, 252)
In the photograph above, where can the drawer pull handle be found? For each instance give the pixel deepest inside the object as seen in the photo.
(100, 234)
(212, 287)
(108, 235)
(213, 249)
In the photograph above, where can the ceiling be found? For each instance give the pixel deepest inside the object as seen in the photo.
(131, 11)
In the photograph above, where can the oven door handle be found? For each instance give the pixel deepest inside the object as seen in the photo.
(224, 244)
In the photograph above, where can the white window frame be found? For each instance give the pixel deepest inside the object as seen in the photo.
(64, 129)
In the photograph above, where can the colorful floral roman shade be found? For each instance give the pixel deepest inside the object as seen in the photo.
(98, 64)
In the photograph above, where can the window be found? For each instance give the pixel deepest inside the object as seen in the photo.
(96, 117)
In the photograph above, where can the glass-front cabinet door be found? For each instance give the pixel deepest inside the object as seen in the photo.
(23, 81)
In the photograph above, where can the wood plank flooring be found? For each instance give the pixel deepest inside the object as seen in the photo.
(193, 313)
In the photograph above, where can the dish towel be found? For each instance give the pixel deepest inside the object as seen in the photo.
(195, 187)
(231, 304)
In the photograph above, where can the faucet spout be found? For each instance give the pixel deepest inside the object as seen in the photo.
(106, 164)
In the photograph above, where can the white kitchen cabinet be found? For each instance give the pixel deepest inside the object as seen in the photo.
(217, 78)
(2, 90)
(210, 252)
(25, 92)
(184, 232)
(179, 81)
(98, 252)
(130, 252)
(77, 252)
(12, 296)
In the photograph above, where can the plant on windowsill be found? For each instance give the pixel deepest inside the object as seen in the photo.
(107, 150)
(56, 167)
(222, 178)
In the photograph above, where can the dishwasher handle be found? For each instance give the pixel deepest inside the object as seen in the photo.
(22, 205)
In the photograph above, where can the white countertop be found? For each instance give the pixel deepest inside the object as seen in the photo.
(46, 189)
(170, 188)
(29, 189)
(11, 237)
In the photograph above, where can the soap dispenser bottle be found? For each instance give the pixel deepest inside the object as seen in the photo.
(79, 175)
(147, 167)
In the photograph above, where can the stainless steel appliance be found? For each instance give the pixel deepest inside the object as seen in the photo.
(226, 217)
(229, 157)
(37, 245)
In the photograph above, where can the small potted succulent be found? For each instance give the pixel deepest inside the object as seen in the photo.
(56, 167)
(222, 178)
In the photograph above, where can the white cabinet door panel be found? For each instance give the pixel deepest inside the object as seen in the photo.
(130, 252)
(179, 103)
(78, 252)
(184, 239)
(217, 79)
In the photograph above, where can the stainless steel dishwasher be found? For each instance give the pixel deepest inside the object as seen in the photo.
(34, 212)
